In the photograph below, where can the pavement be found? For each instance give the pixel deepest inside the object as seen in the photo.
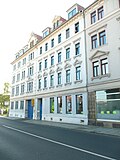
(78, 127)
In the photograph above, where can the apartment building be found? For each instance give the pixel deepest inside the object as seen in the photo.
(49, 77)
(71, 73)
(102, 19)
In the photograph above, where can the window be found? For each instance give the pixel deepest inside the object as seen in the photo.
(72, 13)
(45, 63)
(68, 76)
(45, 33)
(14, 67)
(93, 17)
(31, 44)
(108, 104)
(94, 41)
(17, 90)
(12, 105)
(102, 38)
(13, 91)
(52, 43)
(19, 64)
(59, 38)
(24, 61)
(68, 104)
(23, 74)
(77, 49)
(59, 104)
(79, 104)
(59, 78)
(51, 80)
(18, 77)
(29, 86)
(30, 71)
(59, 57)
(40, 50)
(104, 66)
(51, 105)
(95, 69)
(40, 66)
(67, 53)
(13, 80)
(52, 60)
(39, 84)
(22, 88)
(31, 56)
(67, 33)
(78, 73)
(46, 46)
(77, 27)
(21, 104)
(16, 105)
(45, 82)
(100, 13)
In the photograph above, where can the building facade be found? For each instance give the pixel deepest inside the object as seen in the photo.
(103, 60)
(49, 82)
(69, 74)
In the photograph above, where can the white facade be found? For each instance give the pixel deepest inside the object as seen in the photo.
(65, 75)
(103, 60)
(71, 73)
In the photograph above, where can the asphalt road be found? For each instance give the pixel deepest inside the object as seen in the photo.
(25, 141)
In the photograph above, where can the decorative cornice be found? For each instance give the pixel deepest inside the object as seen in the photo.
(99, 54)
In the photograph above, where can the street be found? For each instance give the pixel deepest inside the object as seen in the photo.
(25, 141)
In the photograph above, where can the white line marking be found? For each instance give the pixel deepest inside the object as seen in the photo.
(59, 143)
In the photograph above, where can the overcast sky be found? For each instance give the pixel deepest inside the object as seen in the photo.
(18, 18)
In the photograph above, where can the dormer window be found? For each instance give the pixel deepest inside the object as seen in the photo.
(74, 10)
(45, 34)
(72, 13)
(31, 44)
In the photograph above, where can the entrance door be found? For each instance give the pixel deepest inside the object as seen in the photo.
(30, 110)
(41, 109)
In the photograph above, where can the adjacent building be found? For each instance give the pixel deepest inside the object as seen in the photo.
(71, 73)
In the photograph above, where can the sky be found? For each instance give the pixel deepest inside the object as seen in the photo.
(18, 18)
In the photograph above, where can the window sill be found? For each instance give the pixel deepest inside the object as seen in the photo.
(79, 55)
(100, 76)
(67, 60)
(59, 85)
(45, 88)
(58, 63)
(78, 81)
(52, 87)
(69, 83)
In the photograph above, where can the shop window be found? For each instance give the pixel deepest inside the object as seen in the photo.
(21, 104)
(79, 104)
(108, 104)
(59, 104)
(68, 104)
(12, 105)
(52, 105)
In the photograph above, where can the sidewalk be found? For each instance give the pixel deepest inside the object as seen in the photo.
(88, 128)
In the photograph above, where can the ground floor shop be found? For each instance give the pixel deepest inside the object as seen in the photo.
(68, 108)
(104, 107)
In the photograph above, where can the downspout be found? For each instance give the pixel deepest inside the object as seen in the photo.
(86, 66)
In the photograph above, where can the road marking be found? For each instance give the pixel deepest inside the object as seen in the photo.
(59, 143)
